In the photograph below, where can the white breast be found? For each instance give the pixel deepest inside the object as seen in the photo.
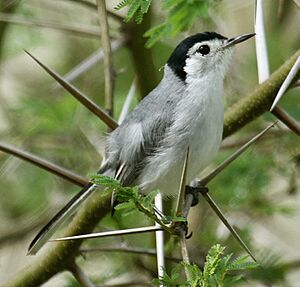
(198, 124)
(207, 128)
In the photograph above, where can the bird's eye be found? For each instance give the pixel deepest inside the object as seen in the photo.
(203, 49)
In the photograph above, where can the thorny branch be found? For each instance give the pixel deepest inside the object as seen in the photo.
(249, 108)
(263, 64)
(290, 122)
(204, 192)
(240, 114)
(83, 99)
(58, 257)
(44, 164)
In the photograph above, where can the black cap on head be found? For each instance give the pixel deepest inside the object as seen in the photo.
(177, 59)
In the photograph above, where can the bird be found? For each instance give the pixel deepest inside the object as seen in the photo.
(185, 111)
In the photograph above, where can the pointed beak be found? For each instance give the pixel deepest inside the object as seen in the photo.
(238, 39)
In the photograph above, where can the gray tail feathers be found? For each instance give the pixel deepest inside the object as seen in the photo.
(46, 232)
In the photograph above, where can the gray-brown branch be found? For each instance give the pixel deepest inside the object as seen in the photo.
(108, 65)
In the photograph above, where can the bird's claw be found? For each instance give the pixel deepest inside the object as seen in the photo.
(181, 226)
(194, 191)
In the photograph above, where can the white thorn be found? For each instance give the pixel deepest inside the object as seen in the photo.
(110, 233)
(260, 44)
(159, 236)
(288, 80)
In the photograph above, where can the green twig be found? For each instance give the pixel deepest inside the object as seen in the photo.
(151, 214)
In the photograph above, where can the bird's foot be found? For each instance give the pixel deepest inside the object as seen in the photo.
(194, 191)
(180, 227)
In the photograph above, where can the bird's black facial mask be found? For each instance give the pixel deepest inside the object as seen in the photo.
(178, 58)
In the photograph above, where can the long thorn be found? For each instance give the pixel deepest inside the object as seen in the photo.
(262, 58)
(110, 233)
(44, 164)
(260, 43)
(181, 207)
(287, 82)
(89, 104)
(215, 172)
(297, 3)
(234, 156)
(219, 213)
(159, 238)
(289, 121)
(181, 193)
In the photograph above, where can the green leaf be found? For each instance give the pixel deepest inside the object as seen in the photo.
(156, 33)
(215, 272)
(242, 263)
(182, 15)
(104, 180)
(194, 272)
(133, 8)
(212, 260)
(137, 9)
(125, 205)
(148, 200)
(122, 4)
(127, 193)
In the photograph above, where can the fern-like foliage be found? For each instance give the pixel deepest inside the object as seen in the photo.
(131, 200)
(218, 267)
(137, 9)
(217, 271)
(182, 14)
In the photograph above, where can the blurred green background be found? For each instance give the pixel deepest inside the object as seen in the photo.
(259, 192)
